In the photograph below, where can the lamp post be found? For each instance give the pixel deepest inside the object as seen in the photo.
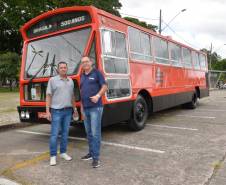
(160, 20)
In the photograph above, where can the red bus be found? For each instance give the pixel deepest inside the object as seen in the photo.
(146, 72)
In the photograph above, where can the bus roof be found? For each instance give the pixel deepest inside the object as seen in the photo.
(93, 11)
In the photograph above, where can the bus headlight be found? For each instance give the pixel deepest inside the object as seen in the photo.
(22, 114)
(27, 115)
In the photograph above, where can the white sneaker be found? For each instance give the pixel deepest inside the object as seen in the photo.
(65, 157)
(52, 161)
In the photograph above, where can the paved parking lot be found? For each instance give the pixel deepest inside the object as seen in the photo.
(177, 147)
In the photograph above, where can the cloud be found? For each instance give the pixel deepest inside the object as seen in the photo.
(202, 23)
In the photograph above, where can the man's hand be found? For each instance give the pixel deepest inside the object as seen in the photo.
(95, 98)
(48, 115)
(75, 113)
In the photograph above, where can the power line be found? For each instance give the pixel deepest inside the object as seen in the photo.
(180, 36)
(167, 25)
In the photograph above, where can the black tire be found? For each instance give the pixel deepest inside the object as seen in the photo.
(193, 103)
(139, 114)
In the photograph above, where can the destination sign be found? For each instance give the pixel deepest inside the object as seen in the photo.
(58, 22)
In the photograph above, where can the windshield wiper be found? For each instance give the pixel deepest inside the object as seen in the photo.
(53, 66)
(43, 66)
(35, 54)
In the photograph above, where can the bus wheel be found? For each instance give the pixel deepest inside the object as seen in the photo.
(193, 103)
(139, 114)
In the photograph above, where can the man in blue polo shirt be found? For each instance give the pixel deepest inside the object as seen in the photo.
(92, 86)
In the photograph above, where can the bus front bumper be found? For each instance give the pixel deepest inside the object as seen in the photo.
(27, 113)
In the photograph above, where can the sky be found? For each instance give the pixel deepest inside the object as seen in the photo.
(203, 22)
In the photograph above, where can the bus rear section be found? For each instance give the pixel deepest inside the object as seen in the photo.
(147, 72)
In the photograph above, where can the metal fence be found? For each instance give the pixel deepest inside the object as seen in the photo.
(217, 79)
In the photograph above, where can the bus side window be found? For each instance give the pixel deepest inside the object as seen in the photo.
(161, 52)
(115, 57)
(140, 45)
(195, 59)
(118, 88)
(202, 60)
(187, 58)
(175, 54)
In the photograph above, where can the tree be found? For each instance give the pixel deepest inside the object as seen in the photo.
(9, 67)
(142, 23)
(220, 65)
(213, 57)
(15, 13)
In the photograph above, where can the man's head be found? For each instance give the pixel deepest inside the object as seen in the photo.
(62, 68)
(86, 63)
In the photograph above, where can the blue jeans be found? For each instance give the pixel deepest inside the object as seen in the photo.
(92, 122)
(60, 119)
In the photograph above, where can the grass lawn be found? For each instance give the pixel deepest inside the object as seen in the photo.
(7, 90)
(8, 107)
(9, 101)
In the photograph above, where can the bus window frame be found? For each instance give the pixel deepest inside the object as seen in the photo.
(121, 98)
(178, 61)
(154, 53)
(132, 52)
(206, 64)
(103, 55)
(197, 53)
(183, 63)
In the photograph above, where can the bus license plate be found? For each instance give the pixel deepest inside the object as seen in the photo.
(42, 115)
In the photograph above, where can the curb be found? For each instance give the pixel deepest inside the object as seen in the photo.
(5, 181)
(14, 126)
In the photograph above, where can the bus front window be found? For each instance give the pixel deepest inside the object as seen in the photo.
(44, 55)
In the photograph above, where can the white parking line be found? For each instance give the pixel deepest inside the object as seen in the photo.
(191, 116)
(214, 110)
(166, 126)
(21, 153)
(103, 142)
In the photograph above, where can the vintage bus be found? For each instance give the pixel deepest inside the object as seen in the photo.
(145, 72)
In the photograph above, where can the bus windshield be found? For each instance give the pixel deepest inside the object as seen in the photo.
(44, 55)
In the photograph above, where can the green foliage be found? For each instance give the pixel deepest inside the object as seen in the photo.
(142, 23)
(15, 13)
(213, 57)
(220, 65)
(9, 66)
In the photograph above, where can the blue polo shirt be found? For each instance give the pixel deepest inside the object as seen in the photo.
(90, 85)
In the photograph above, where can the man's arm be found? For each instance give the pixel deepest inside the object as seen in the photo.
(102, 90)
(95, 98)
(48, 103)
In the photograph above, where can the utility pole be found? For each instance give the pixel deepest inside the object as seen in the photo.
(210, 61)
(160, 22)
(211, 48)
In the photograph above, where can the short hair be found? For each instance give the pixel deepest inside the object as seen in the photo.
(86, 56)
(61, 62)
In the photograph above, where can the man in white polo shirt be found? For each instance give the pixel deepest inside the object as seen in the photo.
(59, 108)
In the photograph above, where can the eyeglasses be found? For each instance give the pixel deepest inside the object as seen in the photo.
(85, 61)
